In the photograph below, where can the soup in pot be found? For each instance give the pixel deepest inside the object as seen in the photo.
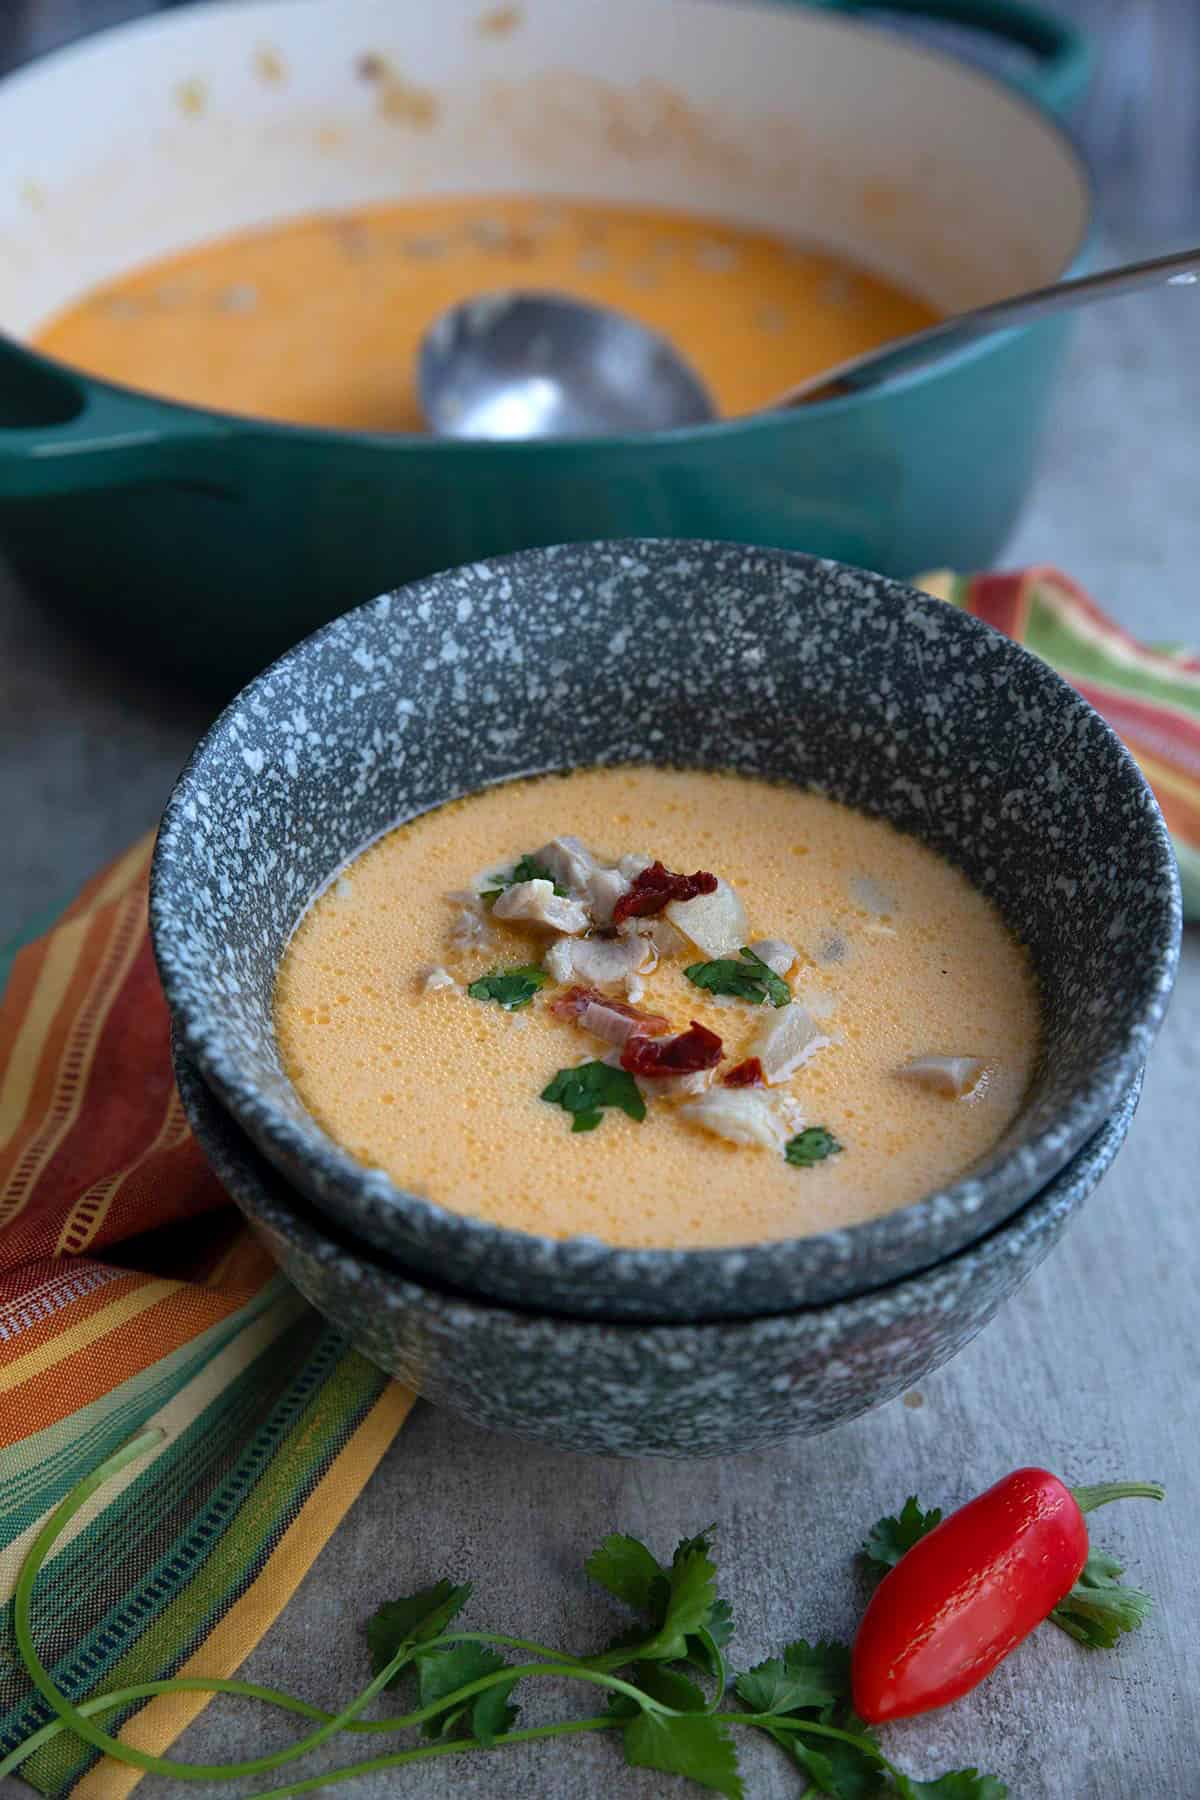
(659, 1008)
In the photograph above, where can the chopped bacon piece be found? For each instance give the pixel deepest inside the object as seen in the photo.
(745, 1074)
(694, 1049)
(574, 1003)
(656, 887)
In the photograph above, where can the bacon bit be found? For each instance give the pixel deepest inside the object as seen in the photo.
(693, 1050)
(656, 887)
(746, 1074)
(575, 1002)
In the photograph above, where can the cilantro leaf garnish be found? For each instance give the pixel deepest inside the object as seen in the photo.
(1098, 1608)
(690, 1624)
(627, 1569)
(691, 1744)
(811, 1146)
(583, 1091)
(441, 1673)
(806, 1675)
(959, 1784)
(892, 1537)
(527, 869)
(510, 988)
(809, 1684)
(413, 1620)
(752, 980)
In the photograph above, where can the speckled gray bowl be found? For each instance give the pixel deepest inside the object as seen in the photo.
(703, 654)
(644, 1390)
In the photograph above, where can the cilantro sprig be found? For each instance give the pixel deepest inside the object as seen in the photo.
(509, 988)
(527, 869)
(585, 1090)
(752, 979)
(664, 1682)
(811, 1146)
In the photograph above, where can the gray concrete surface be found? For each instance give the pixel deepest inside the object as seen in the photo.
(1091, 1370)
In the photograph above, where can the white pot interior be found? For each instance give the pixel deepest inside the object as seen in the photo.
(146, 139)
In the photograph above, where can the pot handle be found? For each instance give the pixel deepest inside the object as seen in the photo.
(61, 433)
(1064, 55)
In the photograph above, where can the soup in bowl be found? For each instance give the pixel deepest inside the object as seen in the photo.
(834, 926)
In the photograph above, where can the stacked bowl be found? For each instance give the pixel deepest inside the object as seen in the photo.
(881, 698)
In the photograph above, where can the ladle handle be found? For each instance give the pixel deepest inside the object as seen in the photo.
(874, 367)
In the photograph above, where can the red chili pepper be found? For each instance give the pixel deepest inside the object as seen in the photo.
(971, 1591)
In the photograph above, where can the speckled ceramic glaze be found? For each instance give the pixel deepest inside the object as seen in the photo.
(700, 654)
(642, 1390)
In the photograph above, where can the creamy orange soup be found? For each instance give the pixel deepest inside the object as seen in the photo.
(894, 960)
(317, 320)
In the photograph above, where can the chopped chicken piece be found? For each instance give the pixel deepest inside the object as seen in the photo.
(602, 889)
(558, 960)
(676, 1087)
(470, 930)
(435, 978)
(599, 960)
(536, 903)
(635, 989)
(954, 1076)
(777, 955)
(661, 933)
(785, 1041)
(740, 1116)
(716, 923)
(568, 861)
(868, 893)
(631, 865)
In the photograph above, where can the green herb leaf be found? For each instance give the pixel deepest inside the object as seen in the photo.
(441, 1673)
(692, 1745)
(510, 988)
(584, 1090)
(691, 1596)
(959, 1784)
(412, 1620)
(671, 1598)
(815, 1763)
(626, 1568)
(674, 1689)
(854, 1774)
(1099, 1609)
(811, 1146)
(806, 1677)
(893, 1537)
(491, 1712)
(527, 869)
(752, 980)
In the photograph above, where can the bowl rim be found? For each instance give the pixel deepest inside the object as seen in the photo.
(918, 1232)
(455, 1309)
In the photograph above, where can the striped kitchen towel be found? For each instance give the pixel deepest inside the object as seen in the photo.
(1150, 694)
(131, 1295)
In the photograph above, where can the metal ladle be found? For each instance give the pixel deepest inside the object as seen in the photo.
(533, 365)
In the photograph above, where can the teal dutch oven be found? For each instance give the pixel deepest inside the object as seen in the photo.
(207, 542)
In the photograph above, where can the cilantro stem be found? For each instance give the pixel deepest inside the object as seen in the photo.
(454, 1747)
(181, 1684)
(515, 1643)
(786, 1722)
(78, 1721)
(1087, 1499)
